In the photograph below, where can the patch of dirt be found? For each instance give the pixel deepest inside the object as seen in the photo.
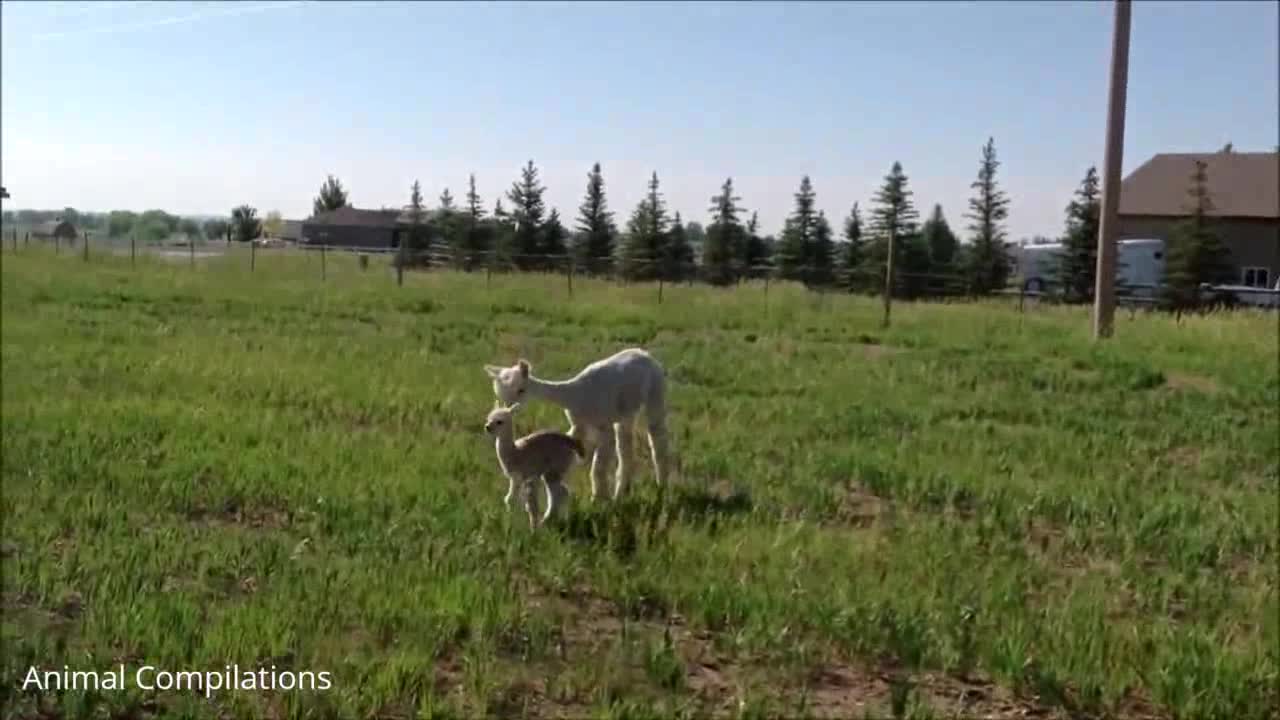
(1188, 381)
(1184, 456)
(715, 681)
(233, 514)
(875, 352)
(864, 509)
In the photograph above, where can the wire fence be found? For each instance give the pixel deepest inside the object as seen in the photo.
(661, 274)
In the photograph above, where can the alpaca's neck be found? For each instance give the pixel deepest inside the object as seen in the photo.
(506, 447)
(560, 392)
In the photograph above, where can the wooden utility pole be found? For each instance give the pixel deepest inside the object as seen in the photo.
(1104, 295)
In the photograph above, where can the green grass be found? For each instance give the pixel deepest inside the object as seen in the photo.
(209, 466)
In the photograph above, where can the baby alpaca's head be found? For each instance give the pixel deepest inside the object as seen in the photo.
(499, 421)
(509, 383)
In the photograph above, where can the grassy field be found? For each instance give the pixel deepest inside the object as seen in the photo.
(978, 512)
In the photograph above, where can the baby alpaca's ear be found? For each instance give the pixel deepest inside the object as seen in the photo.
(513, 408)
(493, 370)
(524, 368)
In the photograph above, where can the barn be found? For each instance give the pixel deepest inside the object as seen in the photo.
(349, 227)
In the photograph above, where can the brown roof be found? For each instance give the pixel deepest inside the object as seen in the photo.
(350, 216)
(1244, 185)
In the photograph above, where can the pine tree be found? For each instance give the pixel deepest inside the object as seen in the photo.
(474, 209)
(554, 236)
(852, 251)
(822, 254)
(1076, 267)
(1196, 252)
(477, 234)
(756, 258)
(940, 240)
(527, 211)
(678, 252)
(332, 196)
(893, 219)
(597, 232)
(796, 253)
(416, 243)
(644, 245)
(725, 235)
(502, 235)
(450, 231)
(987, 261)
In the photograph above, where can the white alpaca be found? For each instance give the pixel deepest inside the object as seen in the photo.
(603, 400)
(544, 455)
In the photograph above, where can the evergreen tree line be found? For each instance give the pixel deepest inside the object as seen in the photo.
(655, 243)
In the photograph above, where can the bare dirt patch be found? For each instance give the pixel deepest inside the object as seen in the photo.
(233, 514)
(716, 681)
(1189, 381)
(864, 509)
(1184, 456)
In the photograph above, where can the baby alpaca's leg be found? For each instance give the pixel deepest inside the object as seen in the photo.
(626, 455)
(600, 462)
(511, 493)
(531, 501)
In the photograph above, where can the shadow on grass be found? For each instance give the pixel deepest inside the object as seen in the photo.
(638, 521)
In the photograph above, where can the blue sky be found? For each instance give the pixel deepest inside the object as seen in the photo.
(195, 107)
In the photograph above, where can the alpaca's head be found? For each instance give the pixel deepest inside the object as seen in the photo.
(509, 383)
(499, 421)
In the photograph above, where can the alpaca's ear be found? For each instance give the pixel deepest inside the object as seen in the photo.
(513, 408)
(493, 370)
(524, 368)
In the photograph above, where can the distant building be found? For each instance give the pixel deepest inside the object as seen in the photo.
(60, 229)
(290, 231)
(350, 227)
(1244, 189)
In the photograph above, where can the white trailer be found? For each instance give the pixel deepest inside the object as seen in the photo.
(1140, 264)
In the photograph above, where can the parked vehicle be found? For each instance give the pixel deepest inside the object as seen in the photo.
(1247, 294)
(1140, 266)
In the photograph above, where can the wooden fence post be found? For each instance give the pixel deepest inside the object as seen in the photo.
(191, 251)
(400, 265)
(86, 246)
(133, 250)
(253, 255)
(322, 270)
(570, 277)
(659, 289)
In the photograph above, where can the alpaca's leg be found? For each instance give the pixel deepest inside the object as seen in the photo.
(600, 462)
(531, 501)
(511, 492)
(556, 495)
(659, 446)
(577, 430)
(625, 431)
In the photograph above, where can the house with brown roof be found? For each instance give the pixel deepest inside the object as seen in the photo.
(1244, 188)
(353, 228)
